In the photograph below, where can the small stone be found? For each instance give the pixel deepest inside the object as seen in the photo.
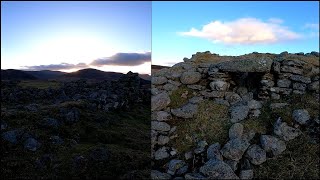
(188, 155)
(256, 154)
(246, 174)
(186, 111)
(31, 144)
(162, 140)
(239, 113)
(159, 175)
(175, 165)
(161, 153)
(301, 116)
(272, 144)
(160, 126)
(213, 152)
(253, 104)
(190, 77)
(159, 80)
(235, 148)
(235, 131)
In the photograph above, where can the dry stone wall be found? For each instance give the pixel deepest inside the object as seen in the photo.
(241, 84)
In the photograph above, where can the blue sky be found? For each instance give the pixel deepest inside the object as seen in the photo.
(71, 35)
(180, 29)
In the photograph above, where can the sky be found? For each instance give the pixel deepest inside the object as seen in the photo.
(180, 29)
(67, 36)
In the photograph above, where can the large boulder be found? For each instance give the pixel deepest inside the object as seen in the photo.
(217, 169)
(235, 148)
(272, 144)
(161, 116)
(160, 101)
(301, 116)
(186, 111)
(190, 77)
(262, 64)
(159, 80)
(219, 85)
(256, 154)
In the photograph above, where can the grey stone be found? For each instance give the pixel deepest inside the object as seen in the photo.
(170, 87)
(247, 97)
(235, 148)
(196, 99)
(186, 111)
(246, 65)
(31, 144)
(301, 79)
(236, 131)
(159, 80)
(232, 97)
(283, 83)
(314, 86)
(221, 102)
(239, 113)
(299, 86)
(162, 140)
(194, 176)
(275, 96)
(290, 69)
(201, 145)
(272, 144)
(161, 153)
(176, 165)
(213, 152)
(233, 164)
(246, 174)
(301, 116)
(160, 126)
(255, 113)
(160, 101)
(159, 175)
(160, 116)
(219, 85)
(190, 77)
(212, 94)
(188, 155)
(196, 87)
(256, 154)
(217, 169)
(278, 105)
(242, 91)
(155, 91)
(284, 131)
(253, 104)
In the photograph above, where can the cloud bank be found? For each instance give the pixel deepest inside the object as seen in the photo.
(248, 31)
(62, 66)
(124, 59)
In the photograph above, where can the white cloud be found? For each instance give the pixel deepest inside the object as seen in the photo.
(244, 31)
(313, 26)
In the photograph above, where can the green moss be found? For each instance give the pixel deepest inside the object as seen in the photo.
(176, 97)
(211, 124)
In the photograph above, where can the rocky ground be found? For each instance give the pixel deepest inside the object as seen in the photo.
(76, 129)
(253, 116)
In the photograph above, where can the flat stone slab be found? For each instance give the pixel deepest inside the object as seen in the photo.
(246, 65)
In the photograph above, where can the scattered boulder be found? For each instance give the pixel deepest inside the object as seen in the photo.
(217, 169)
(190, 77)
(219, 85)
(301, 116)
(186, 111)
(159, 80)
(235, 131)
(160, 101)
(235, 148)
(256, 154)
(272, 144)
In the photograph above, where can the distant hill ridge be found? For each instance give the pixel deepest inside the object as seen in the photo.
(94, 74)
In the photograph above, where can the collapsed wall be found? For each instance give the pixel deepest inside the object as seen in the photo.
(243, 84)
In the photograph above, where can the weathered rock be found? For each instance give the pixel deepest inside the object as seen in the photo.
(12, 136)
(188, 155)
(159, 80)
(246, 174)
(275, 96)
(235, 131)
(235, 148)
(253, 104)
(272, 144)
(301, 116)
(242, 91)
(219, 85)
(247, 65)
(213, 152)
(159, 175)
(233, 164)
(31, 144)
(196, 87)
(314, 86)
(160, 101)
(301, 79)
(256, 154)
(186, 111)
(217, 169)
(160, 116)
(290, 69)
(255, 113)
(160, 126)
(232, 97)
(299, 86)
(194, 176)
(162, 140)
(177, 166)
(221, 102)
(212, 94)
(190, 77)
(170, 87)
(196, 99)
(161, 153)
(284, 131)
(278, 105)
(239, 113)
(284, 83)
